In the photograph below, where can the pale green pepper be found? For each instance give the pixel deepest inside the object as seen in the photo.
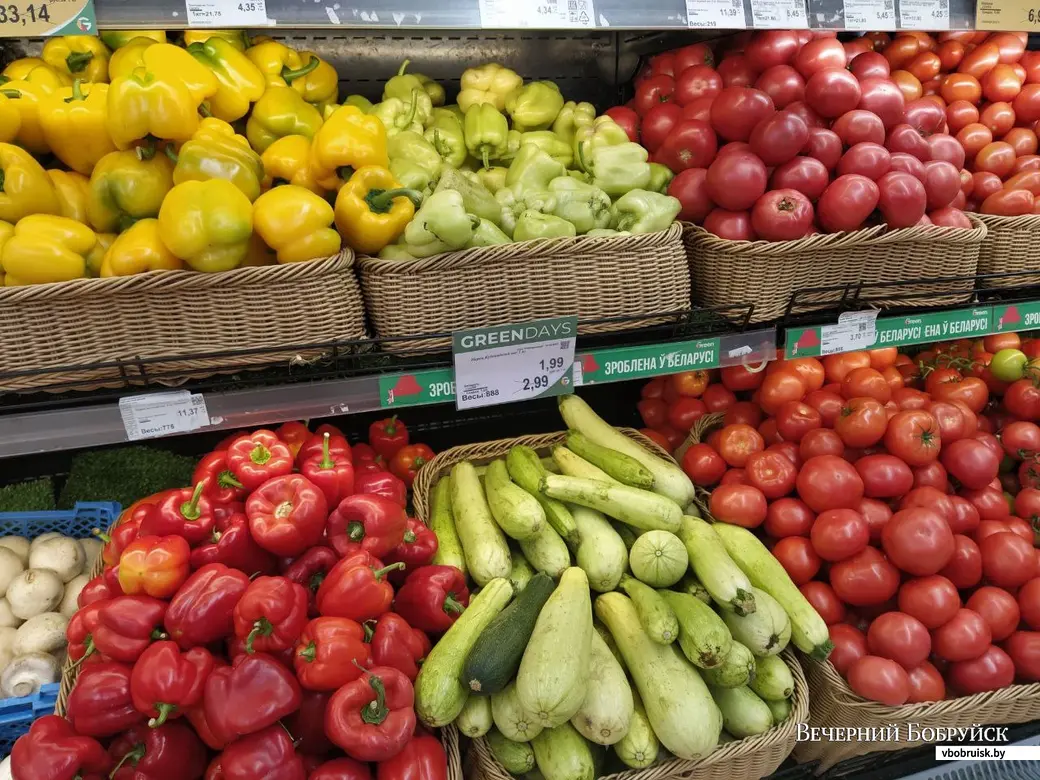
(534, 224)
(534, 106)
(445, 134)
(584, 206)
(513, 139)
(606, 233)
(493, 178)
(412, 176)
(395, 252)
(359, 101)
(397, 115)
(485, 129)
(402, 85)
(603, 132)
(641, 211)
(487, 234)
(660, 177)
(412, 146)
(571, 118)
(475, 196)
(514, 204)
(532, 169)
(440, 225)
(551, 144)
(618, 169)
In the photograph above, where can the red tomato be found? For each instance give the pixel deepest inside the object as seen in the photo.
(828, 404)
(703, 464)
(908, 84)
(924, 66)
(737, 442)
(731, 225)
(838, 534)
(825, 601)
(684, 412)
(858, 126)
(799, 559)
(658, 123)
(960, 114)
(862, 421)
(696, 81)
(933, 600)
(653, 411)
(998, 608)
(1026, 104)
(867, 382)
(963, 637)
(788, 517)
(807, 175)
(780, 387)
(971, 462)
(736, 111)
(694, 54)
(929, 498)
(1023, 141)
(689, 188)
(772, 473)
(657, 438)
(794, 419)
(736, 71)
(846, 203)
(836, 367)
(789, 450)
(966, 516)
(832, 92)
(866, 159)
(742, 505)
(899, 637)
(782, 215)
(926, 684)
(942, 182)
(768, 431)
(818, 55)
(990, 505)
(821, 441)
(865, 579)
(823, 145)
(718, 398)
(743, 412)
(884, 476)
(783, 84)
(1011, 46)
(1008, 560)
(965, 567)
(736, 181)
(882, 97)
(809, 370)
(980, 60)
(1000, 84)
(870, 65)
(738, 378)
(876, 514)
(913, 436)
(829, 482)
(974, 138)
(961, 86)
(1021, 440)
(734, 477)
(991, 670)
(1029, 603)
(1023, 647)
(996, 157)
(932, 475)
(879, 679)
(918, 541)
(1008, 203)
(690, 383)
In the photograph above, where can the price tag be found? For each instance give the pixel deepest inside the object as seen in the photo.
(162, 414)
(227, 13)
(537, 14)
(870, 15)
(772, 14)
(35, 20)
(715, 14)
(924, 14)
(507, 363)
(1007, 15)
(855, 330)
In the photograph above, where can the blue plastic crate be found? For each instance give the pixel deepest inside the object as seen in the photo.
(17, 715)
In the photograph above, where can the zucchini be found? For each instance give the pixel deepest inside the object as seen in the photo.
(627, 533)
(655, 616)
(563, 754)
(808, 631)
(521, 572)
(669, 480)
(475, 719)
(639, 747)
(511, 718)
(439, 696)
(484, 544)
(773, 680)
(765, 632)
(516, 757)
(551, 681)
(624, 468)
(680, 708)
(640, 508)
(725, 738)
(606, 712)
(690, 584)
(609, 641)
(526, 469)
(659, 559)
(738, 668)
(703, 637)
(547, 552)
(781, 709)
(495, 657)
(601, 553)
(723, 579)
(516, 511)
(442, 522)
(573, 465)
(743, 713)
(550, 465)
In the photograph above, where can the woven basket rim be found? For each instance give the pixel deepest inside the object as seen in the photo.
(1024, 221)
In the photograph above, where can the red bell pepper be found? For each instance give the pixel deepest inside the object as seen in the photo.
(111, 577)
(271, 614)
(165, 681)
(339, 447)
(219, 485)
(307, 724)
(372, 718)
(80, 631)
(370, 523)
(294, 433)
(155, 565)
(329, 428)
(127, 625)
(100, 704)
(332, 473)
(258, 457)
(387, 436)
(53, 751)
(222, 512)
(94, 591)
(120, 536)
(214, 771)
(423, 758)
(330, 653)
(250, 695)
(237, 647)
(184, 512)
(196, 716)
(265, 755)
(398, 645)
(418, 546)
(287, 515)
(231, 544)
(169, 752)
(202, 610)
(356, 590)
(228, 440)
(408, 460)
(310, 570)
(367, 459)
(432, 598)
(380, 482)
(342, 769)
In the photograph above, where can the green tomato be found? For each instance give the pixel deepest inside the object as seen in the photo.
(1008, 365)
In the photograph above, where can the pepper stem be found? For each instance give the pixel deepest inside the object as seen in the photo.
(380, 202)
(204, 111)
(260, 454)
(190, 510)
(409, 536)
(308, 653)
(262, 627)
(289, 76)
(326, 462)
(356, 531)
(146, 151)
(451, 606)
(484, 155)
(132, 756)
(378, 573)
(77, 91)
(403, 68)
(2, 177)
(158, 633)
(414, 106)
(315, 581)
(370, 631)
(89, 650)
(227, 480)
(96, 531)
(164, 710)
(78, 60)
(375, 712)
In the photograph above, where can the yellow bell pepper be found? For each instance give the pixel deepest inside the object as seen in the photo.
(36, 71)
(26, 98)
(144, 104)
(259, 253)
(372, 209)
(80, 56)
(207, 224)
(237, 38)
(25, 187)
(216, 152)
(280, 65)
(97, 256)
(489, 83)
(47, 249)
(125, 188)
(239, 82)
(6, 231)
(129, 57)
(319, 87)
(117, 39)
(296, 223)
(349, 139)
(73, 191)
(74, 122)
(288, 161)
(281, 111)
(172, 63)
(139, 250)
(10, 118)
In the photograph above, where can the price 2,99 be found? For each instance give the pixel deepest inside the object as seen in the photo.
(540, 382)
(30, 14)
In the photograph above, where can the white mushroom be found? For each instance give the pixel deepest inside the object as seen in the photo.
(62, 555)
(34, 592)
(70, 601)
(41, 634)
(91, 550)
(7, 636)
(5, 769)
(37, 541)
(7, 617)
(10, 567)
(19, 545)
(26, 673)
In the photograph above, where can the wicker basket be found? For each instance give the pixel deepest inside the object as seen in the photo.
(746, 759)
(834, 704)
(766, 273)
(1010, 247)
(593, 278)
(65, 329)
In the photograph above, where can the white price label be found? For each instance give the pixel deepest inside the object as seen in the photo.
(537, 14)
(783, 14)
(870, 15)
(855, 330)
(715, 14)
(924, 14)
(162, 414)
(227, 13)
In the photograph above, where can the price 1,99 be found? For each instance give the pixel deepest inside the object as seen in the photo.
(540, 382)
(29, 14)
(552, 364)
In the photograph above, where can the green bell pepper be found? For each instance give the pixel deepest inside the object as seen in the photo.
(571, 118)
(618, 169)
(395, 252)
(412, 146)
(513, 140)
(493, 178)
(359, 101)
(641, 211)
(581, 176)
(433, 89)
(603, 132)
(485, 129)
(487, 234)
(660, 177)
(532, 169)
(534, 224)
(513, 204)
(397, 115)
(445, 133)
(412, 176)
(534, 106)
(475, 196)
(551, 144)
(584, 206)
(440, 225)
(403, 84)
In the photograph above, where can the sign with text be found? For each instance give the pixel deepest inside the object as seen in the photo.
(162, 414)
(537, 14)
(715, 14)
(227, 13)
(36, 20)
(1007, 15)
